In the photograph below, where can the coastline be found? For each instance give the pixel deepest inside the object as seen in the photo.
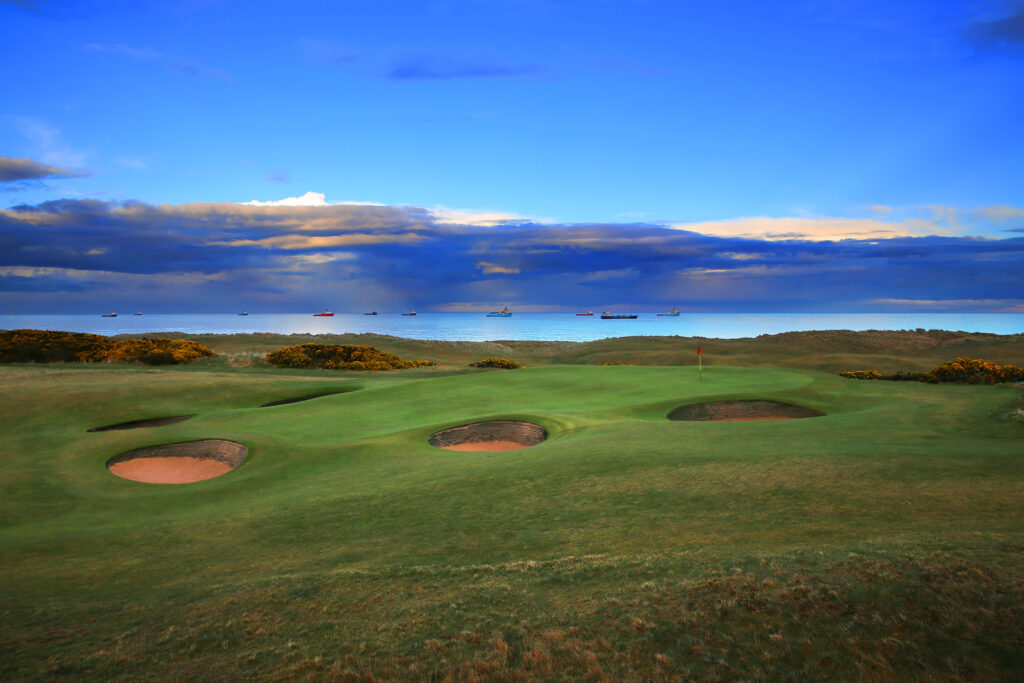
(520, 326)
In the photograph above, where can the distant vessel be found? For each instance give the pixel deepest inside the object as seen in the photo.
(410, 313)
(674, 313)
(372, 313)
(500, 314)
(244, 313)
(325, 314)
(109, 315)
(587, 313)
(138, 313)
(618, 316)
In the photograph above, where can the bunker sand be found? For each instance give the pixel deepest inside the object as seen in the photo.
(495, 435)
(741, 411)
(179, 463)
(171, 470)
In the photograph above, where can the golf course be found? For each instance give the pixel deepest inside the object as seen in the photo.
(874, 533)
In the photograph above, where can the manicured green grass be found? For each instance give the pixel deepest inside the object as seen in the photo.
(883, 540)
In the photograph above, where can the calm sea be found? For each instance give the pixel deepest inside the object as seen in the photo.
(525, 326)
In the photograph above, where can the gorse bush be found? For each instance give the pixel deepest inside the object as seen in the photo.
(339, 357)
(41, 346)
(503, 363)
(158, 351)
(963, 370)
(977, 371)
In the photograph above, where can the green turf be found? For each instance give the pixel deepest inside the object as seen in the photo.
(881, 540)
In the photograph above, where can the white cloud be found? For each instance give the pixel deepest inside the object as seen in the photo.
(471, 217)
(308, 199)
(812, 229)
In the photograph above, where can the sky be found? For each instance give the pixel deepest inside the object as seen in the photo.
(462, 155)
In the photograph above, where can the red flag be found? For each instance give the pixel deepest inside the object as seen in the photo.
(698, 350)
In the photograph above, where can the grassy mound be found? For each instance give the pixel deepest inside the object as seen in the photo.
(503, 363)
(963, 370)
(41, 346)
(339, 357)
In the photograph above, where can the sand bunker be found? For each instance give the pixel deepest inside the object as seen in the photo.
(298, 399)
(179, 463)
(140, 424)
(736, 411)
(497, 435)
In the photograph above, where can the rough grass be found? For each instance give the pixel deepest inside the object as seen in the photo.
(880, 542)
(828, 350)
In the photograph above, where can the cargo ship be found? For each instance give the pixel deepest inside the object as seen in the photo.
(618, 316)
(673, 313)
(586, 314)
(500, 314)
(325, 314)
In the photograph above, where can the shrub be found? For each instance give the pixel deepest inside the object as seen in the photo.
(963, 370)
(977, 371)
(861, 374)
(158, 351)
(502, 363)
(339, 357)
(41, 346)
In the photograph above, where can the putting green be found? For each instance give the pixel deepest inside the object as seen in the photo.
(347, 485)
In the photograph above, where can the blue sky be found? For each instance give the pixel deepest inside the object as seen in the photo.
(463, 154)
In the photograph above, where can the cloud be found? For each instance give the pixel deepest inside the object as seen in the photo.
(472, 217)
(287, 253)
(47, 140)
(308, 199)
(453, 64)
(496, 269)
(13, 169)
(292, 242)
(993, 305)
(741, 256)
(145, 54)
(814, 229)
(280, 176)
(325, 257)
(1002, 35)
(33, 6)
(602, 275)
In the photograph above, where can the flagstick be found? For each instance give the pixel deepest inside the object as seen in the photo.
(700, 366)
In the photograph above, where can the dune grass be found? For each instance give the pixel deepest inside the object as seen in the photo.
(881, 541)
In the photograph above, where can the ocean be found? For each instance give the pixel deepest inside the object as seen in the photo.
(521, 326)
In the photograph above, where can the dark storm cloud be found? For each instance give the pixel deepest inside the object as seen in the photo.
(194, 254)
(13, 169)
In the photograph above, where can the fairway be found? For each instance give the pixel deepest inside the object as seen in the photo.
(624, 545)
